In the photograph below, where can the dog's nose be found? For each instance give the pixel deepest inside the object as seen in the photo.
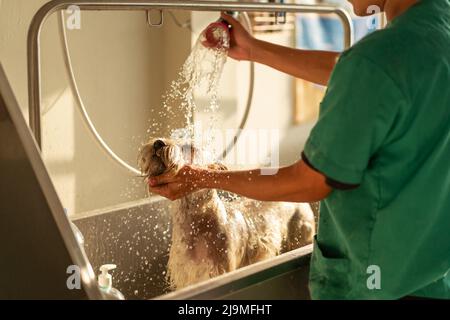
(158, 144)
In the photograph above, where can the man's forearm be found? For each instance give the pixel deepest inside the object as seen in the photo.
(313, 66)
(296, 183)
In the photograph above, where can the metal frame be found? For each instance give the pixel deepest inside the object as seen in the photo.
(34, 58)
(35, 233)
(89, 123)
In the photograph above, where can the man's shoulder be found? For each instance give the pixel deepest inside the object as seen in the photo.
(404, 43)
(397, 52)
(380, 46)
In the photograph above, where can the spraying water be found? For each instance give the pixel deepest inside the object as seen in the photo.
(202, 70)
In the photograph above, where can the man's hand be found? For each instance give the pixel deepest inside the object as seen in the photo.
(173, 187)
(311, 65)
(242, 44)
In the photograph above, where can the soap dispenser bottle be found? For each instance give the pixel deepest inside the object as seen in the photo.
(105, 283)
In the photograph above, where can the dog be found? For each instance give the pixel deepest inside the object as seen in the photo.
(212, 236)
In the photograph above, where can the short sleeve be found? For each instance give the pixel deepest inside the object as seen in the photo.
(356, 115)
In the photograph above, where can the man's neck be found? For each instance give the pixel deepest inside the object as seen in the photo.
(395, 8)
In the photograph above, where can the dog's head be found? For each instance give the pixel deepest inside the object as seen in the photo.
(160, 156)
(167, 156)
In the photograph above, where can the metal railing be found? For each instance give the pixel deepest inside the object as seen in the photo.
(34, 56)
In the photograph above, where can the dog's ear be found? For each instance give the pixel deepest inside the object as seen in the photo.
(143, 158)
(218, 166)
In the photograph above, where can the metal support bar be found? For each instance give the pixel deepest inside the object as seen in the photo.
(34, 59)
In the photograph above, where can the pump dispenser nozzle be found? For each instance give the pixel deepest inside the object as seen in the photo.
(105, 279)
(105, 283)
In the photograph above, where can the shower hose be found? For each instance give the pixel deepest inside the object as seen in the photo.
(91, 127)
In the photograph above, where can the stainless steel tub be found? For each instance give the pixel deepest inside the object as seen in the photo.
(136, 237)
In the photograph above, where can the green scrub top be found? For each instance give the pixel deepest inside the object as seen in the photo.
(384, 126)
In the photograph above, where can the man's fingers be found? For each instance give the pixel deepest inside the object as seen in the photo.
(169, 191)
(161, 190)
(231, 21)
(158, 180)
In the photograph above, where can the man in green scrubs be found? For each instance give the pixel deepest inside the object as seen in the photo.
(378, 157)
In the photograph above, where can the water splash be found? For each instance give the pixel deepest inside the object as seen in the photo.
(142, 268)
(201, 72)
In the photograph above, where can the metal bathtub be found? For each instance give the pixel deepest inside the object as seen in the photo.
(136, 236)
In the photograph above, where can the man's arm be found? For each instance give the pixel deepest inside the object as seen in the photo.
(313, 66)
(296, 183)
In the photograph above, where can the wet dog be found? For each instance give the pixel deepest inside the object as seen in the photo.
(212, 236)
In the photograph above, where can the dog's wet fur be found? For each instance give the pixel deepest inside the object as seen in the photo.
(211, 236)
